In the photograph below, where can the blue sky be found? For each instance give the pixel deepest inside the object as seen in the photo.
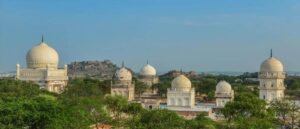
(200, 35)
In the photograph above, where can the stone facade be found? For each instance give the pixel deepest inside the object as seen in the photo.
(223, 94)
(181, 94)
(271, 85)
(122, 84)
(42, 68)
(53, 80)
(125, 89)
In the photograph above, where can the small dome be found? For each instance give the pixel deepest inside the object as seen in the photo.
(223, 87)
(148, 70)
(181, 82)
(123, 74)
(42, 55)
(271, 65)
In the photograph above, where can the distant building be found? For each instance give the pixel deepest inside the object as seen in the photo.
(42, 68)
(181, 99)
(271, 78)
(122, 84)
(181, 93)
(223, 94)
(148, 76)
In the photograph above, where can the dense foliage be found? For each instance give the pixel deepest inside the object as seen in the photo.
(246, 111)
(86, 102)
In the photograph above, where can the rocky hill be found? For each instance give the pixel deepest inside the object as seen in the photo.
(174, 73)
(102, 70)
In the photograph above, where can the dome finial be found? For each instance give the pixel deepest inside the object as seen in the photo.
(42, 38)
(123, 65)
(271, 54)
(147, 61)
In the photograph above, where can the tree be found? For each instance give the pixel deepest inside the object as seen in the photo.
(134, 109)
(16, 88)
(117, 105)
(201, 122)
(245, 112)
(206, 85)
(25, 105)
(83, 104)
(140, 88)
(33, 113)
(287, 112)
(161, 119)
(162, 87)
(281, 108)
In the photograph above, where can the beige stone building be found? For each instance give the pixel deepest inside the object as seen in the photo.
(271, 79)
(181, 93)
(42, 68)
(122, 84)
(223, 94)
(148, 76)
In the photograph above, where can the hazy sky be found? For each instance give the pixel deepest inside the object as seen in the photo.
(200, 35)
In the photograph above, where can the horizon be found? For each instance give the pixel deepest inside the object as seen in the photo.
(189, 35)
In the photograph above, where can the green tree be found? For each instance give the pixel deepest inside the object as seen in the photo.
(16, 88)
(83, 101)
(161, 119)
(206, 85)
(201, 122)
(140, 88)
(287, 112)
(134, 109)
(162, 87)
(34, 113)
(117, 105)
(245, 112)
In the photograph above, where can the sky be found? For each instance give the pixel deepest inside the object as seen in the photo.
(199, 35)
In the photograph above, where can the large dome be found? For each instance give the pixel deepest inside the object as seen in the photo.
(148, 70)
(271, 65)
(181, 82)
(123, 74)
(223, 87)
(42, 55)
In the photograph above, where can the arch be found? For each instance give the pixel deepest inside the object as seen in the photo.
(186, 102)
(150, 107)
(179, 102)
(173, 101)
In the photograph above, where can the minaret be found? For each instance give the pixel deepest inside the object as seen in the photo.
(271, 79)
(17, 71)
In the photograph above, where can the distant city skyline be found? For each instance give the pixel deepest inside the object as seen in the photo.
(234, 35)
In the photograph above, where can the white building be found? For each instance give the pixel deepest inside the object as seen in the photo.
(42, 68)
(122, 84)
(148, 76)
(223, 94)
(181, 93)
(271, 79)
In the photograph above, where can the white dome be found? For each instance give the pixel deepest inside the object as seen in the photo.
(223, 87)
(148, 70)
(271, 65)
(123, 74)
(181, 82)
(42, 55)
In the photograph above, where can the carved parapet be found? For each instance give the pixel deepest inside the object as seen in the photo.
(275, 75)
